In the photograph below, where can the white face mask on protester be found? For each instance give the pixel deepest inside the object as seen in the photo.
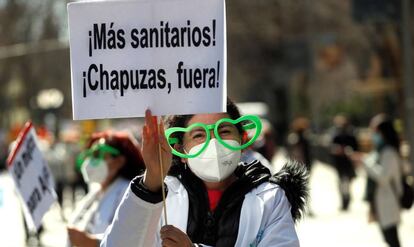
(216, 163)
(94, 170)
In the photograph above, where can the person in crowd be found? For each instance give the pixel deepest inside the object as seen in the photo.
(384, 178)
(3, 150)
(344, 143)
(56, 159)
(263, 148)
(211, 198)
(265, 144)
(298, 144)
(110, 162)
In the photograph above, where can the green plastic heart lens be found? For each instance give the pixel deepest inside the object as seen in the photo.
(224, 129)
(95, 161)
(197, 132)
(97, 153)
(250, 124)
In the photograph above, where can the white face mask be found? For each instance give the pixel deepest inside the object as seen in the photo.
(94, 170)
(216, 163)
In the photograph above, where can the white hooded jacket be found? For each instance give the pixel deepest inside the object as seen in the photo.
(385, 169)
(265, 218)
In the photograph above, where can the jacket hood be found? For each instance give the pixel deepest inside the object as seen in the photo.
(293, 178)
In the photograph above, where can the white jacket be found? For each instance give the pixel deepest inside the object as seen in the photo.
(385, 169)
(94, 213)
(265, 219)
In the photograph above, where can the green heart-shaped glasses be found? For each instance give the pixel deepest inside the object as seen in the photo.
(97, 152)
(247, 122)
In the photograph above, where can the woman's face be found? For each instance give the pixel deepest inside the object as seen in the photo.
(114, 163)
(377, 138)
(197, 135)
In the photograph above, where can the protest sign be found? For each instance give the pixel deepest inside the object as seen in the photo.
(32, 176)
(128, 56)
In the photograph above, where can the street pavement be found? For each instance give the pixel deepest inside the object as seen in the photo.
(326, 226)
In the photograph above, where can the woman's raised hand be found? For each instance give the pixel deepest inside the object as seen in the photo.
(153, 136)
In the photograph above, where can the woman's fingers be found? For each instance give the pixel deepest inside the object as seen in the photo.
(155, 128)
(75, 236)
(148, 126)
(152, 125)
(163, 139)
(154, 135)
(162, 132)
(149, 122)
(169, 243)
(170, 232)
(148, 118)
(145, 135)
(73, 231)
(172, 236)
(147, 142)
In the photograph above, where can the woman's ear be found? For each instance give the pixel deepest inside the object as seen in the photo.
(184, 160)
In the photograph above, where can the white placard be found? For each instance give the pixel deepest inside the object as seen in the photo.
(128, 56)
(32, 176)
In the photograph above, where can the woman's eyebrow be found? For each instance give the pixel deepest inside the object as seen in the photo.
(196, 129)
(225, 125)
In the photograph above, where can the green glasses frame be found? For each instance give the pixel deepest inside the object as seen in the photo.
(100, 148)
(254, 122)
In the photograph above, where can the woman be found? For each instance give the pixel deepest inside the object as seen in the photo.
(212, 200)
(111, 161)
(384, 178)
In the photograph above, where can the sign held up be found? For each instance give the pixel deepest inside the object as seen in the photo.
(128, 56)
(32, 176)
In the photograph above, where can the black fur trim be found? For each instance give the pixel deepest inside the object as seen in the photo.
(293, 178)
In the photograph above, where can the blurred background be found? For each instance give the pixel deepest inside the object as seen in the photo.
(296, 63)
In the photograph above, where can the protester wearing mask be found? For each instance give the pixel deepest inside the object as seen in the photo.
(108, 164)
(212, 199)
(383, 167)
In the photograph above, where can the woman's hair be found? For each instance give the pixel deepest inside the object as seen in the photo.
(182, 121)
(127, 146)
(384, 125)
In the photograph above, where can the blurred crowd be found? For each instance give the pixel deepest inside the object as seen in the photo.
(379, 152)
